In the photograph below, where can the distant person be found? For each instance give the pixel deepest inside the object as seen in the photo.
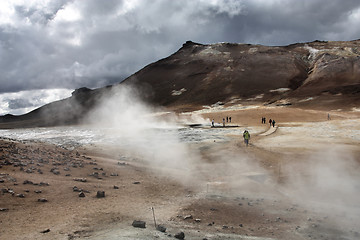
(264, 120)
(229, 119)
(270, 121)
(246, 136)
(223, 122)
(329, 116)
(273, 123)
(213, 123)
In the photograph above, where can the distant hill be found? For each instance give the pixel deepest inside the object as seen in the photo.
(318, 74)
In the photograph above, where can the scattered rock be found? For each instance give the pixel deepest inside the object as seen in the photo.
(116, 187)
(180, 235)
(81, 194)
(3, 209)
(80, 179)
(100, 194)
(20, 195)
(188, 217)
(38, 191)
(136, 182)
(44, 184)
(161, 228)
(55, 171)
(114, 174)
(28, 182)
(197, 220)
(45, 231)
(42, 200)
(139, 224)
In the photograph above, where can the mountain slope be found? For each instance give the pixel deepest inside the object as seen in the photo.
(312, 75)
(200, 74)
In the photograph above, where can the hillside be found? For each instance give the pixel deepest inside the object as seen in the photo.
(308, 75)
(199, 75)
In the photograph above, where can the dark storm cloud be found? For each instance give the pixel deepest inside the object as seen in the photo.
(71, 44)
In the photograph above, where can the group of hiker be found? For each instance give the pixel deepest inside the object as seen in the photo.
(228, 119)
(271, 121)
(246, 134)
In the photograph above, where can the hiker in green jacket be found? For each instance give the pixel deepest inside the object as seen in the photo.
(246, 136)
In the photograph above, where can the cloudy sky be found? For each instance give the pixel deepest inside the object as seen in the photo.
(48, 48)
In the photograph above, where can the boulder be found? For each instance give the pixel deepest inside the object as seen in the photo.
(100, 194)
(180, 235)
(45, 231)
(139, 224)
(161, 228)
(81, 194)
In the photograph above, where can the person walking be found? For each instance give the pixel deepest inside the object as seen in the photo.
(273, 123)
(246, 136)
(223, 122)
(213, 123)
(270, 121)
(229, 119)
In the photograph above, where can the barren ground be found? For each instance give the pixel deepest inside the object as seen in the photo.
(297, 181)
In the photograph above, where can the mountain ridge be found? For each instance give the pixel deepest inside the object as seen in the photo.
(319, 74)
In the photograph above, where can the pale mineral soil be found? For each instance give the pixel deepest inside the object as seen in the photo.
(297, 181)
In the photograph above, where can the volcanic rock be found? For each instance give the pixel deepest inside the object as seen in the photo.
(180, 235)
(188, 217)
(139, 224)
(161, 228)
(82, 194)
(42, 200)
(80, 179)
(28, 182)
(100, 194)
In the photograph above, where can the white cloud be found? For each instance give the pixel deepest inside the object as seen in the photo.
(25, 101)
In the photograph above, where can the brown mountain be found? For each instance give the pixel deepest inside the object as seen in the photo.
(313, 75)
(200, 74)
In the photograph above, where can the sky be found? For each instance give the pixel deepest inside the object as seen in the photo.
(49, 48)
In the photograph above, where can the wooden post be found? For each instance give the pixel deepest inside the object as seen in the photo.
(153, 215)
